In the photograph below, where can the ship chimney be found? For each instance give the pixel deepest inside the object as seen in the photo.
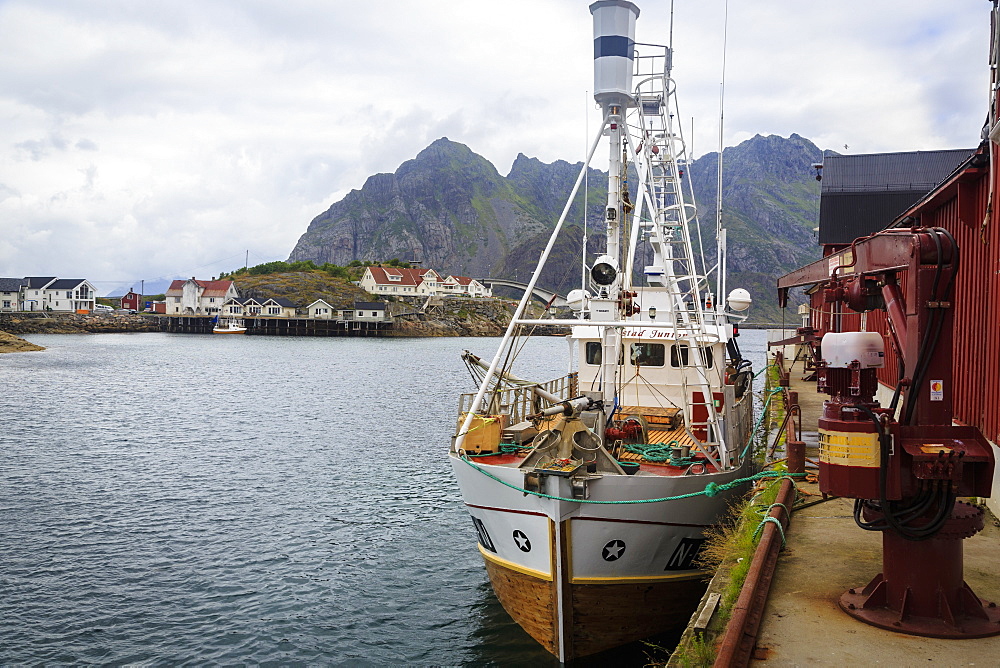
(614, 51)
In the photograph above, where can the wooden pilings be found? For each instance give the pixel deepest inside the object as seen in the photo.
(195, 324)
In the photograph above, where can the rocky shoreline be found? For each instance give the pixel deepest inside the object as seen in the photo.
(459, 317)
(10, 343)
(14, 324)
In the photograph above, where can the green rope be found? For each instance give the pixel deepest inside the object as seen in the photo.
(760, 420)
(711, 489)
(775, 521)
(764, 368)
(658, 452)
(765, 511)
(505, 449)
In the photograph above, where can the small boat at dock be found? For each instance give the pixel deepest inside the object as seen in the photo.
(229, 326)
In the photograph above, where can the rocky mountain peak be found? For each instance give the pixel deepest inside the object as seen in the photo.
(450, 208)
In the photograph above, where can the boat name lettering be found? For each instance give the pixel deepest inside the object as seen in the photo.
(648, 334)
(685, 554)
(484, 536)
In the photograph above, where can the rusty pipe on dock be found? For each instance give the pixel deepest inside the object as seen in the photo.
(741, 632)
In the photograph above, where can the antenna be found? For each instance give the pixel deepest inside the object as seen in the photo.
(670, 41)
(586, 187)
(719, 232)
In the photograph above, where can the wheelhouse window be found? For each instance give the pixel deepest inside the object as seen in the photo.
(679, 356)
(647, 354)
(593, 352)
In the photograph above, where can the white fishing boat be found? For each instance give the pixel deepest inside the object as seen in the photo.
(591, 493)
(229, 326)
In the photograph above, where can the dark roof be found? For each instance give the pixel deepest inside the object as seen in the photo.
(11, 284)
(66, 283)
(370, 306)
(284, 301)
(862, 194)
(35, 282)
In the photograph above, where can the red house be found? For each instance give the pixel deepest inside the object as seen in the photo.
(132, 300)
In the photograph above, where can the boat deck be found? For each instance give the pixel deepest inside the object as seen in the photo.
(646, 467)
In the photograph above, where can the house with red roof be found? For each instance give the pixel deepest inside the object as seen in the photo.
(463, 286)
(199, 297)
(401, 282)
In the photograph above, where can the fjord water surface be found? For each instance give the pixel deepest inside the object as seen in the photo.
(169, 498)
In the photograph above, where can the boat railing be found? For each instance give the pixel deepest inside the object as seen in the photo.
(521, 400)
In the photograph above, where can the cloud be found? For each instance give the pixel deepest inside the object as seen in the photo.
(147, 140)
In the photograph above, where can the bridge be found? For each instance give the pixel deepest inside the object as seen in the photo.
(541, 293)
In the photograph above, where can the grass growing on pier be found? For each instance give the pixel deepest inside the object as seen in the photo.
(729, 552)
(732, 546)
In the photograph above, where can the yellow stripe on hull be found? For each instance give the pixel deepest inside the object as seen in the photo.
(510, 565)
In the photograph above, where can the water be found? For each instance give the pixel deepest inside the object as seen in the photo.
(198, 499)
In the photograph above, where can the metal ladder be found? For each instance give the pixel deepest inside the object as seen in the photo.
(671, 216)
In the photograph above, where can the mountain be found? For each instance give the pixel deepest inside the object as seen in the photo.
(451, 209)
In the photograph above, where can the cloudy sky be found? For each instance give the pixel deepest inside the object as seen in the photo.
(147, 140)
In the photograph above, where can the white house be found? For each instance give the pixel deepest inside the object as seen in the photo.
(33, 296)
(369, 312)
(194, 297)
(322, 310)
(463, 286)
(71, 294)
(278, 307)
(419, 283)
(48, 293)
(400, 282)
(10, 294)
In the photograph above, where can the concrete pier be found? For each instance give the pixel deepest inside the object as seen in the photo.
(826, 554)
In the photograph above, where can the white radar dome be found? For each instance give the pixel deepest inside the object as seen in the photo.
(577, 299)
(739, 300)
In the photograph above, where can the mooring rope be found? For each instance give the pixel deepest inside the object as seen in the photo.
(711, 489)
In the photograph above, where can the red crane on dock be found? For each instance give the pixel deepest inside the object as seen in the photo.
(905, 464)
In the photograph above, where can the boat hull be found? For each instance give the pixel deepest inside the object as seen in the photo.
(598, 617)
(584, 578)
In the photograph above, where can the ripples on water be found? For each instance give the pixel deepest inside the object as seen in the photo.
(190, 499)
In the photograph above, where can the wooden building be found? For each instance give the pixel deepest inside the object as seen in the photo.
(963, 203)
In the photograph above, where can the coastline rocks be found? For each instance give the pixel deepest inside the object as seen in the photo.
(15, 344)
(74, 323)
(458, 317)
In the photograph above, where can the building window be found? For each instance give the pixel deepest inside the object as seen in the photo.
(177, 300)
(274, 310)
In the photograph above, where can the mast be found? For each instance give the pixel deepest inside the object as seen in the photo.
(614, 55)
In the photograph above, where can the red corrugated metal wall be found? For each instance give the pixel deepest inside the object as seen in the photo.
(976, 354)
